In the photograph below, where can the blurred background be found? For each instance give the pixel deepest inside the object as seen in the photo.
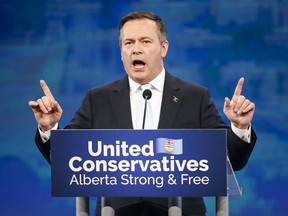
(73, 45)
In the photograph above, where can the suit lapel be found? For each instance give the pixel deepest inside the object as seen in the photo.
(120, 101)
(171, 102)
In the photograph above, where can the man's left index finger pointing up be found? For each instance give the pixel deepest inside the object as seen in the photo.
(239, 87)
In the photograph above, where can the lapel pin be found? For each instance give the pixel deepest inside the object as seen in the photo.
(175, 99)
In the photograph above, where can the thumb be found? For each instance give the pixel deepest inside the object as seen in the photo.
(226, 104)
(34, 106)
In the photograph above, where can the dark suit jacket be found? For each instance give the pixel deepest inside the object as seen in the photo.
(108, 107)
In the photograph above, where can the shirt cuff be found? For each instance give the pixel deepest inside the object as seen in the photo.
(244, 134)
(45, 136)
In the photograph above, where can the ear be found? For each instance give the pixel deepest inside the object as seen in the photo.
(165, 46)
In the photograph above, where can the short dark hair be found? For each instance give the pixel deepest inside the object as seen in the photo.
(162, 32)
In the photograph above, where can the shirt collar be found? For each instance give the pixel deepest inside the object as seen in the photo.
(157, 83)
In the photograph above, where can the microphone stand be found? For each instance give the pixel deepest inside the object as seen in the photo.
(106, 203)
(106, 207)
(175, 206)
(144, 116)
(147, 94)
(174, 203)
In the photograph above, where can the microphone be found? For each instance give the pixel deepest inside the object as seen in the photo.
(147, 94)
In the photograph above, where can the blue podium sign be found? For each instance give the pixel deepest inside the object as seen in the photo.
(133, 163)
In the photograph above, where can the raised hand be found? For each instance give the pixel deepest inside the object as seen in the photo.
(46, 110)
(239, 110)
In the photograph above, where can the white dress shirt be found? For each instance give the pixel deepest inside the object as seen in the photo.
(155, 101)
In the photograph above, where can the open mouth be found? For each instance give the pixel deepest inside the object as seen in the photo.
(138, 64)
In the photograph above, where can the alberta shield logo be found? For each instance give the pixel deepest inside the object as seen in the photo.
(169, 146)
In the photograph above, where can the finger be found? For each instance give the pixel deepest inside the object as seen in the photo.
(250, 107)
(239, 103)
(243, 106)
(239, 87)
(47, 103)
(46, 89)
(227, 103)
(42, 106)
(33, 104)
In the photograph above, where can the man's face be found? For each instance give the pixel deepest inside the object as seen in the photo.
(141, 50)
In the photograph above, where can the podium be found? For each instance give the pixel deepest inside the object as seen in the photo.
(142, 163)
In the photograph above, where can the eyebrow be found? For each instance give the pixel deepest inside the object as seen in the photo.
(141, 38)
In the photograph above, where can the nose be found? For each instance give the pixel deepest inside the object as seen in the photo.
(137, 49)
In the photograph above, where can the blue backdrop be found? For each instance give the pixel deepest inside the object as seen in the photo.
(73, 45)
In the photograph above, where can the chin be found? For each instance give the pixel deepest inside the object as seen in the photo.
(139, 75)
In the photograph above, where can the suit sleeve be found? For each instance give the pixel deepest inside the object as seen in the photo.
(239, 151)
(44, 148)
(84, 116)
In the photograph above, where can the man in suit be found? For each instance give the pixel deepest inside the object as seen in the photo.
(176, 104)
